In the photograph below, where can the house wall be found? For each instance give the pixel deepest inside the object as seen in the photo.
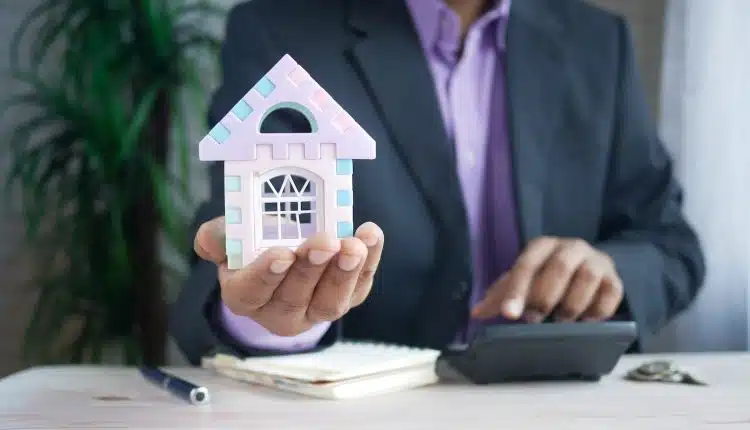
(336, 200)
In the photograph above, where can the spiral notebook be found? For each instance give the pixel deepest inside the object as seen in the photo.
(344, 370)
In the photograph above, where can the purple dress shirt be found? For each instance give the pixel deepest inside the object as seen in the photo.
(470, 86)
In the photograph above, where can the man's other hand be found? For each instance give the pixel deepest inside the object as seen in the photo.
(566, 278)
(286, 291)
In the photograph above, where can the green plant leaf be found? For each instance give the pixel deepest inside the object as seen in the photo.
(200, 41)
(134, 131)
(180, 143)
(203, 9)
(16, 42)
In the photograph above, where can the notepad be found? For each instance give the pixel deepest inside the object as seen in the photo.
(344, 370)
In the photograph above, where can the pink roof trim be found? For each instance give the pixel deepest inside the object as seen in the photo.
(235, 137)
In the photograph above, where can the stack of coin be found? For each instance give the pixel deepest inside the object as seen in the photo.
(662, 371)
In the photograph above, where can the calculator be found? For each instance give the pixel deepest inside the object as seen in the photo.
(583, 351)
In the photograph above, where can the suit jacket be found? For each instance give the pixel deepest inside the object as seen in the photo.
(587, 161)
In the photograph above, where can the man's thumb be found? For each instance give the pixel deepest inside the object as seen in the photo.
(210, 241)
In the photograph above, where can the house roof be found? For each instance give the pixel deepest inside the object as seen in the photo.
(286, 85)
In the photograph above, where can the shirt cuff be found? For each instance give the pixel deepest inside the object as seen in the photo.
(252, 335)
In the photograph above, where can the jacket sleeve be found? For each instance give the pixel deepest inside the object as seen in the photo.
(195, 316)
(657, 253)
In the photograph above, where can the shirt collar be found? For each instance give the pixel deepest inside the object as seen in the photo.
(439, 27)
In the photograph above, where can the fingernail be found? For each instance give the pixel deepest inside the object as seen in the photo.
(533, 317)
(348, 263)
(371, 240)
(514, 308)
(477, 311)
(280, 266)
(318, 257)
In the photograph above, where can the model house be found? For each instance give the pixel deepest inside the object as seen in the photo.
(281, 188)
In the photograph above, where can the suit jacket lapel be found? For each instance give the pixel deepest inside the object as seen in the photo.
(390, 61)
(536, 76)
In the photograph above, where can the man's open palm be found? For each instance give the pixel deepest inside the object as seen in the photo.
(286, 291)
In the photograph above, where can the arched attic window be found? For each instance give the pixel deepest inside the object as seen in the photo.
(288, 117)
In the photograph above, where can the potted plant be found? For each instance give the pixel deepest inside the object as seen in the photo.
(106, 110)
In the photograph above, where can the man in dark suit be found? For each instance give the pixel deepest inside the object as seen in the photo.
(518, 178)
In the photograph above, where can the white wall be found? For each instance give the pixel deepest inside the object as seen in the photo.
(705, 121)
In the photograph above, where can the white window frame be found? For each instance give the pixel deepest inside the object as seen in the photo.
(316, 200)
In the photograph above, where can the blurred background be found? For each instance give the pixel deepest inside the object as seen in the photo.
(695, 60)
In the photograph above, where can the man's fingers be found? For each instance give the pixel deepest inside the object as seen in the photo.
(293, 295)
(581, 291)
(550, 284)
(607, 299)
(209, 241)
(332, 296)
(492, 303)
(246, 290)
(507, 297)
(372, 236)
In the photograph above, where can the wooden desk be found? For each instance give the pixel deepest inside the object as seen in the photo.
(77, 397)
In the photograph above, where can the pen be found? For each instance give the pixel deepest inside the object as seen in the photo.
(181, 388)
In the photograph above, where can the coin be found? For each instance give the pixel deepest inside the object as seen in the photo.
(683, 377)
(662, 371)
(656, 367)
